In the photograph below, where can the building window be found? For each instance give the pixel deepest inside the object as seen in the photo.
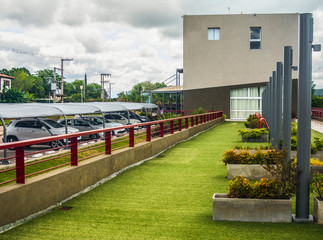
(214, 34)
(245, 101)
(255, 38)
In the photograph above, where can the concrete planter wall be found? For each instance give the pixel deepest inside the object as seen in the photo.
(318, 155)
(251, 210)
(263, 138)
(256, 171)
(250, 171)
(318, 210)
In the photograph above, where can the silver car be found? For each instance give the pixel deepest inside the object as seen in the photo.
(29, 128)
(116, 117)
(83, 124)
(107, 124)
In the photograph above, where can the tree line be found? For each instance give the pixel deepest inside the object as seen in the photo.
(28, 87)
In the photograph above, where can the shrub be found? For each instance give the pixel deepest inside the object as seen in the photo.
(284, 173)
(316, 186)
(318, 143)
(265, 189)
(316, 162)
(251, 122)
(224, 116)
(239, 187)
(252, 133)
(235, 156)
(200, 110)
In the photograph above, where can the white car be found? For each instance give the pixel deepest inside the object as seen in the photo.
(116, 117)
(107, 124)
(29, 128)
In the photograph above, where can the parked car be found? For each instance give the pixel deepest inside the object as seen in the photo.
(29, 128)
(133, 115)
(116, 117)
(107, 124)
(83, 124)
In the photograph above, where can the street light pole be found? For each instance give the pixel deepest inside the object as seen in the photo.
(81, 87)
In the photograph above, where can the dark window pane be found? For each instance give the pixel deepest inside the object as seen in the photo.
(254, 45)
(254, 33)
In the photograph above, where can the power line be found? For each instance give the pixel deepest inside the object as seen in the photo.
(25, 52)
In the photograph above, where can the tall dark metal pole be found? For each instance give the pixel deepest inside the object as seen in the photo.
(274, 112)
(304, 116)
(287, 115)
(279, 102)
(271, 107)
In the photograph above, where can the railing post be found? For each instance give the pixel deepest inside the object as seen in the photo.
(131, 137)
(192, 121)
(161, 129)
(74, 151)
(179, 125)
(148, 133)
(107, 138)
(171, 126)
(201, 120)
(186, 123)
(20, 165)
(196, 120)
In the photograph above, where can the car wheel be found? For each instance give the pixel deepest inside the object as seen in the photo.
(55, 144)
(12, 139)
(94, 136)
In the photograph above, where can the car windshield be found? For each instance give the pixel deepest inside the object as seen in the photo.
(92, 122)
(53, 124)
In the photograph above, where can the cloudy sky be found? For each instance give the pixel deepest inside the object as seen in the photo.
(134, 40)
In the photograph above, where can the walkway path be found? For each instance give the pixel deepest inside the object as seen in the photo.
(317, 125)
(169, 197)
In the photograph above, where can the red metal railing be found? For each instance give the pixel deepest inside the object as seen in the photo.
(136, 133)
(317, 112)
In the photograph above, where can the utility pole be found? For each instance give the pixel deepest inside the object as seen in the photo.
(103, 75)
(54, 86)
(62, 70)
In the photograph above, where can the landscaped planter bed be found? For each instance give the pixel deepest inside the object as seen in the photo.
(263, 138)
(318, 210)
(251, 210)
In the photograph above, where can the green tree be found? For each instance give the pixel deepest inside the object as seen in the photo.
(135, 95)
(47, 77)
(15, 96)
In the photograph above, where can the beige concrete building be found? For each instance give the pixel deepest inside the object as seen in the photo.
(229, 58)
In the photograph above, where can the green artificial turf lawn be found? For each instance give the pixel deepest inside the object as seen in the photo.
(168, 197)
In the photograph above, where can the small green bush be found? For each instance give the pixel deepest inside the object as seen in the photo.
(235, 156)
(239, 187)
(251, 122)
(265, 189)
(252, 133)
(316, 186)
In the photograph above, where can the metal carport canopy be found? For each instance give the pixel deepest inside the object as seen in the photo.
(136, 106)
(18, 110)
